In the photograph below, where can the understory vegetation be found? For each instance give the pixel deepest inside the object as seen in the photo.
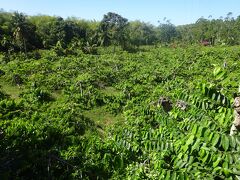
(85, 116)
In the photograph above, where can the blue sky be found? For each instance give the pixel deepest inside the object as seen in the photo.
(178, 11)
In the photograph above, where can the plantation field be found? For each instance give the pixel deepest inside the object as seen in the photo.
(83, 116)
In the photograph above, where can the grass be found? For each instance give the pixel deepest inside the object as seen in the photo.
(57, 94)
(102, 118)
(110, 91)
(9, 89)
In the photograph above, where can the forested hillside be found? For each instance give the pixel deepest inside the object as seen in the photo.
(117, 99)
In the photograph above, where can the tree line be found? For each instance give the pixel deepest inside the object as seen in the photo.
(20, 32)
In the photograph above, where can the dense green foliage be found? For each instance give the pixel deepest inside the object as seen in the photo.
(19, 32)
(81, 99)
(51, 103)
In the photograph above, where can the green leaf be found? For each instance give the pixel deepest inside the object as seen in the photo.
(218, 97)
(190, 140)
(213, 96)
(203, 88)
(202, 153)
(236, 171)
(182, 176)
(210, 136)
(216, 71)
(215, 164)
(206, 158)
(203, 105)
(194, 129)
(227, 172)
(163, 173)
(174, 175)
(224, 100)
(225, 142)
(196, 145)
(217, 169)
(220, 76)
(199, 132)
(179, 164)
(230, 158)
(180, 155)
(222, 118)
(215, 139)
(225, 164)
(185, 148)
(207, 134)
(168, 176)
